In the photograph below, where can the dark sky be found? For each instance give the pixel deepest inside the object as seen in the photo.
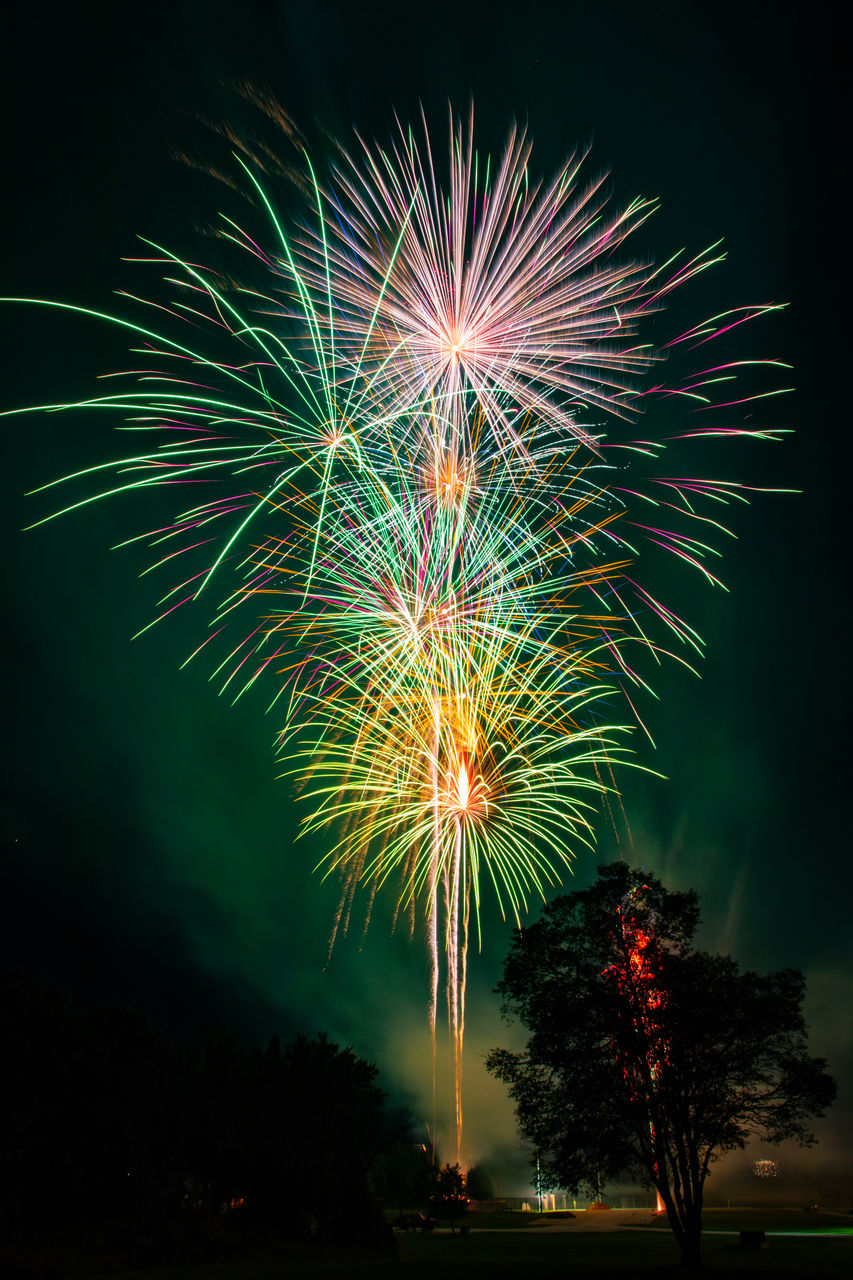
(149, 852)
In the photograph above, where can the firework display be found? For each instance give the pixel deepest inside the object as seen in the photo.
(422, 508)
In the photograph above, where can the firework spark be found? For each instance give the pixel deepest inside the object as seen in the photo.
(397, 424)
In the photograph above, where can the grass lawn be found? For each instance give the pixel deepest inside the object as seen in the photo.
(571, 1255)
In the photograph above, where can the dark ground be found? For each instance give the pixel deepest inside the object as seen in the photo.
(617, 1254)
(546, 1247)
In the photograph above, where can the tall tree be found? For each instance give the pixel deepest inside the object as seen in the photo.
(646, 1057)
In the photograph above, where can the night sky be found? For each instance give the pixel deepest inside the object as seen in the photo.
(149, 852)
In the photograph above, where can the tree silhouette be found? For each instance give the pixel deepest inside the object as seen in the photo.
(646, 1057)
(449, 1201)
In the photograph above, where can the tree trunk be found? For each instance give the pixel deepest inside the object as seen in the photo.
(690, 1235)
(685, 1221)
(690, 1241)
